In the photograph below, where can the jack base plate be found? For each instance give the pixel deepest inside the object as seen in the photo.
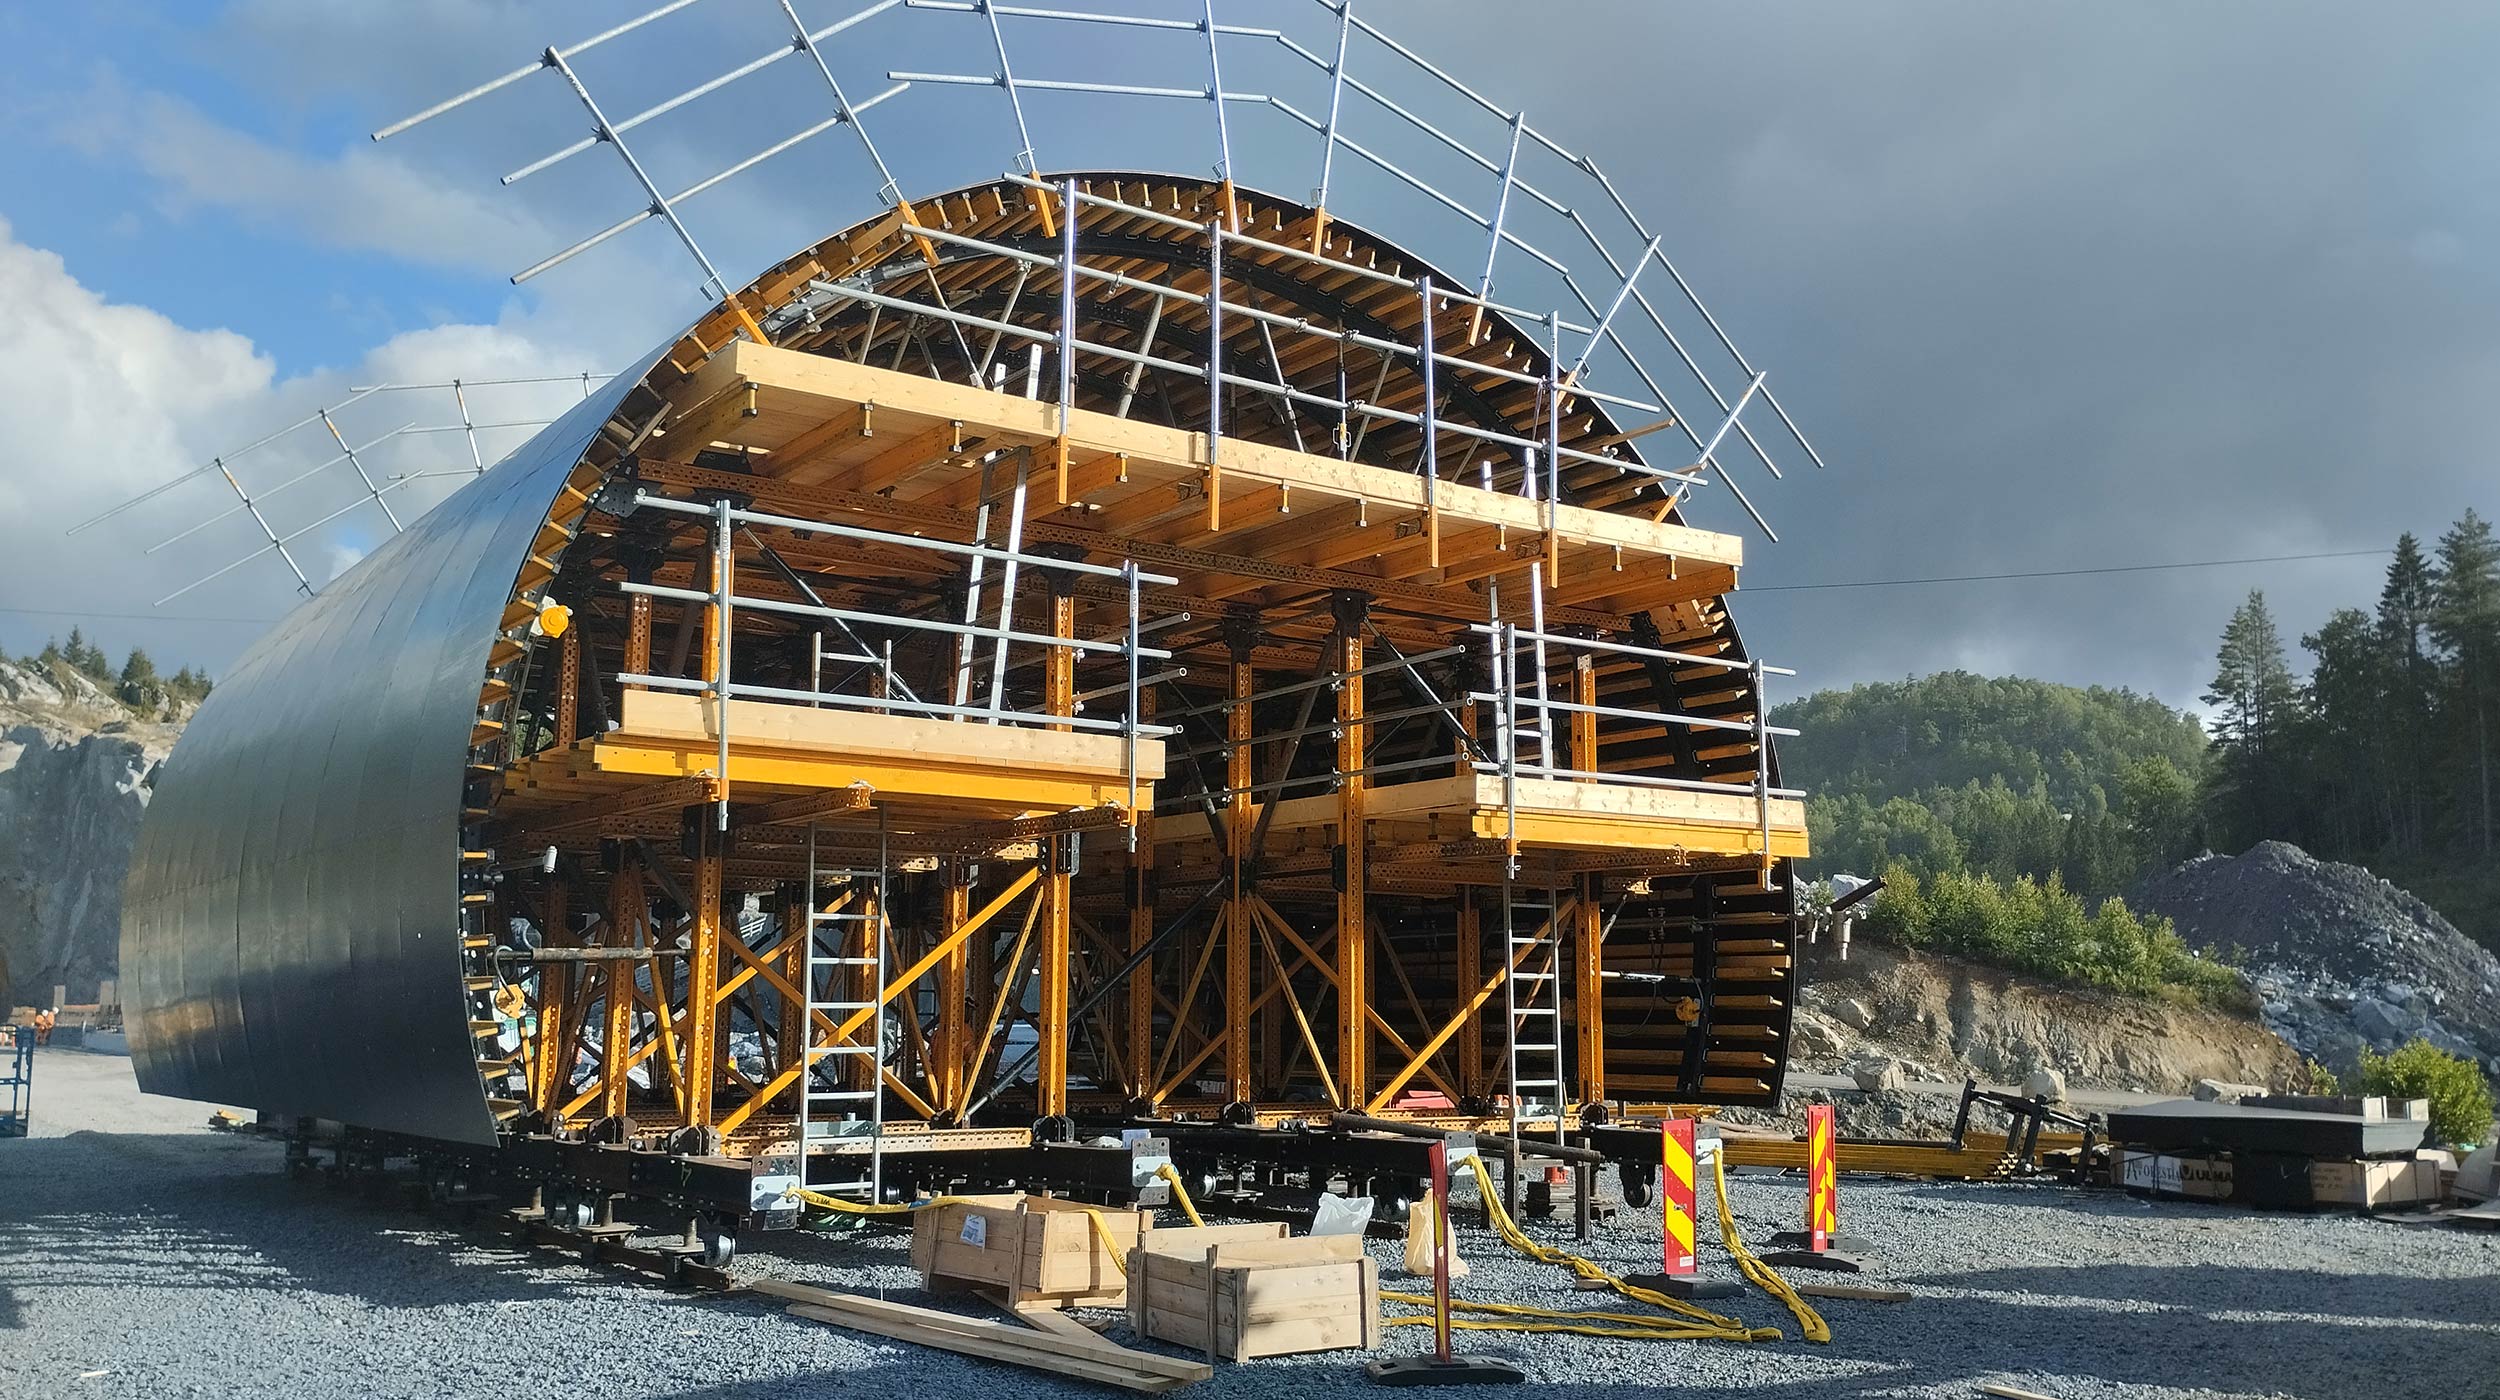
(1830, 1261)
(1686, 1286)
(1433, 1370)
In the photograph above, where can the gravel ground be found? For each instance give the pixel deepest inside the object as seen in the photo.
(141, 1255)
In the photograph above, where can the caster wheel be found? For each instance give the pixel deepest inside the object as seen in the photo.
(1638, 1189)
(720, 1243)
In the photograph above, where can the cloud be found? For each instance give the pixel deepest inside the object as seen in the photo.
(363, 199)
(106, 400)
(2048, 288)
(101, 398)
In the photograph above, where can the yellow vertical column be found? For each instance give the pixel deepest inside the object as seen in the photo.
(626, 915)
(1141, 931)
(949, 1049)
(1353, 932)
(638, 618)
(554, 1045)
(1240, 821)
(568, 687)
(1588, 930)
(1058, 698)
(1471, 1083)
(702, 1040)
(790, 1044)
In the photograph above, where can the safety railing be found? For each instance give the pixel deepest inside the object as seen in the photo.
(1528, 749)
(1308, 724)
(873, 683)
(1543, 456)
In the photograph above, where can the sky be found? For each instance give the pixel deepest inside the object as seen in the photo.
(2050, 288)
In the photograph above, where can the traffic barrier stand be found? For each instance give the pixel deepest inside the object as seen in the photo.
(1442, 1366)
(1678, 1171)
(1820, 1245)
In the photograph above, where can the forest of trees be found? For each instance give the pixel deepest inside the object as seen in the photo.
(2386, 754)
(135, 682)
(2002, 777)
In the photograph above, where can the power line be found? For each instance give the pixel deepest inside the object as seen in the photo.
(1757, 588)
(2065, 573)
(131, 617)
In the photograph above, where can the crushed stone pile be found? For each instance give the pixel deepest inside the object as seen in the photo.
(2339, 958)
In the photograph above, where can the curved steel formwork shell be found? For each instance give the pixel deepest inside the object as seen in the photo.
(318, 852)
(291, 927)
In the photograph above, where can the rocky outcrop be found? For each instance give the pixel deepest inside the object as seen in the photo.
(2339, 958)
(75, 772)
(1942, 1018)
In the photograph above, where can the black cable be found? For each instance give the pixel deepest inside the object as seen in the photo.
(131, 617)
(2065, 573)
(1757, 588)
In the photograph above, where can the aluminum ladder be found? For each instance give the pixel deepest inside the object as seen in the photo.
(844, 1105)
(1532, 1040)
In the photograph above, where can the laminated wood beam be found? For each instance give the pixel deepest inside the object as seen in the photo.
(799, 391)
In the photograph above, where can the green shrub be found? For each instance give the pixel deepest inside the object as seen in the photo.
(2460, 1097)
(2044, 929)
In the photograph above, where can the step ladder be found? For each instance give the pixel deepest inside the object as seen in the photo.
(841, 1085)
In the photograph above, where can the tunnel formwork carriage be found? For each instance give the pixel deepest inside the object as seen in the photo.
(939, 704)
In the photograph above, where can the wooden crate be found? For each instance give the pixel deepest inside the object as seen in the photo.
(1243, 1297)
(2374, 1185)
(1036, 1250)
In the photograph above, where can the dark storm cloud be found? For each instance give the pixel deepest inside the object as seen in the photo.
(2049, 286)
(2058, 286)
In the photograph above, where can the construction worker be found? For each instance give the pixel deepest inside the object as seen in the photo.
(44, 1020)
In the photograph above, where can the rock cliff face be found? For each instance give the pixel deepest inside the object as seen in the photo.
(1944, 1018)
(75, 771)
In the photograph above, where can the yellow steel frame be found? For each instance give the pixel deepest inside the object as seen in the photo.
(1290, 978)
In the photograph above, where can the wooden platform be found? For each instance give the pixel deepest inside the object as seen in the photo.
(1552, 814)
(922, 773)
(817, 422)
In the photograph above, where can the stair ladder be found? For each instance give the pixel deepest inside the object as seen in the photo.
(841, 943)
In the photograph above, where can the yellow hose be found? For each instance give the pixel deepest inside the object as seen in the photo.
(1698, 1321)
(1641, 1327)
(1545, 1319)
(1180, 1193)
(1697, 1324)
(1808, 1320)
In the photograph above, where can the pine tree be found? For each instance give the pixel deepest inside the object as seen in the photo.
(2410, 685)
(2347, 698)
(88, 657)
(2257, 708)
(139, 685)
(2465, 622)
